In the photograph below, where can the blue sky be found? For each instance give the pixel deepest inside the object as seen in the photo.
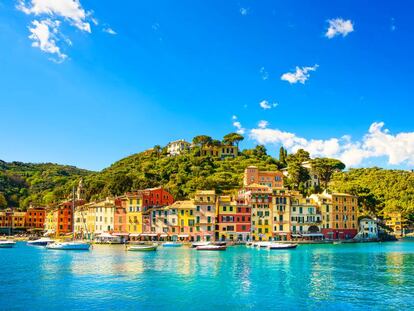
(176, 69)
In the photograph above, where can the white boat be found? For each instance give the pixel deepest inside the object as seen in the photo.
(262, 244)
(142, 248)
(211, 248)
(40, 242)
(277, 246)
(172, 244)
(69, 246)
(196, 244)
(7, 244)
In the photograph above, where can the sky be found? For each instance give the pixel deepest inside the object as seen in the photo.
(89, 82)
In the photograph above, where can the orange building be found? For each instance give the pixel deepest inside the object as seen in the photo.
(35, 218)
(252, 175)
(63, 217)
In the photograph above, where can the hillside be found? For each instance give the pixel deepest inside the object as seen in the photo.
(379, 189)
(22, 183)
(181, 175)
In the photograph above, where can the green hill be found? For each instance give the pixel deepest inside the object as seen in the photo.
(22, 183)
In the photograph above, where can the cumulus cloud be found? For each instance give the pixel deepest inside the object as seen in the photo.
(398, 149)
(240, 129)
(49, 15)
(71, 10)
(339, 26)
(263, 124)
(244, 11)
(109, 30)
(300, 75)
(264, 104)
(43, 34)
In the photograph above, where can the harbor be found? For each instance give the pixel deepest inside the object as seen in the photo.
(346, 276)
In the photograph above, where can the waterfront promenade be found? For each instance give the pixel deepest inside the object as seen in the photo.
(313, 277)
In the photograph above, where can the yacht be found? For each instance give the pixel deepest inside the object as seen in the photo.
(142, 247)
(69, 246)
(40, 242)
(203, 243)
(211, 248)
(172, 244)
(276, 246)
(7, 244)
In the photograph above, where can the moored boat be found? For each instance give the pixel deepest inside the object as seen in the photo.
(142, 248)
(172, 244)
(276, 246)
(40, 242)
(262, 244)
(196, 244)
(7, 244)
(220, 243)
(211, 248)
(69, 246)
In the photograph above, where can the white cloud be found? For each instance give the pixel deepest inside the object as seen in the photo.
(234, 117)
(43, 34)
(393, 27)
(71, 10)
(264, 73)
(50, 13)
(398, 149)
(263, 124)
(240, 129)
(109, 30)
(244, 11)
(300, 75)
(264, 104)
(339, 26)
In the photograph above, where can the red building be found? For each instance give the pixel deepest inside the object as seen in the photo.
(120, 218)
(63, 217)
(35, 218)
(156, 197)
(242, 219)
(339, 234)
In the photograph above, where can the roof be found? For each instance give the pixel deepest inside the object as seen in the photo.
(183, 204)
(343, 194)
(205, 192)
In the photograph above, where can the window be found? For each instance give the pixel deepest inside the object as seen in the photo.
(198, 208)
(280, 227)
(208, 219)
(224, 208)
(209, 208)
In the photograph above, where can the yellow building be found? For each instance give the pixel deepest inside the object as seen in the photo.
(132, 202)
(225, 151)
(186, 219)
(50, 222)
(395, 221)
(83, 227)
(261, 219)
(281, 214)
(226, 218)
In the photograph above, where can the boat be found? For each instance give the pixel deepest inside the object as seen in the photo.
(40, 242)
(196, 244)
(220, 243)
(211, 248)
(7, 244)
(142, 248)
(172, 244)
(262, 244)
(71, 245)
(276, 246)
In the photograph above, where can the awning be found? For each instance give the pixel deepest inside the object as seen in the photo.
(296, 235)
(281, 233)
(163, 235)
(149, 234)
(312, 234)
(135, 234)
(183, 235)
(105, 235)
(120, 234)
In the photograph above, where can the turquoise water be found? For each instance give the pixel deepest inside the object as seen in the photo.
(312, 277)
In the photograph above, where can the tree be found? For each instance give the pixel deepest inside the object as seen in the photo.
(298, 175)
(202, 140)
(325, 167)
(300, 156)
(233, 138)
(3, 201)
(282, 156)
(260, 151)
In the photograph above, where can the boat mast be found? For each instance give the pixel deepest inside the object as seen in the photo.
(73, 213)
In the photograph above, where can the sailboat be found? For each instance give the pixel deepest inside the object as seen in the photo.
(70, 245)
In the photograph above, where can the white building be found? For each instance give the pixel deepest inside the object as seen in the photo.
(104, 212)
(178, 147)
(368, 230)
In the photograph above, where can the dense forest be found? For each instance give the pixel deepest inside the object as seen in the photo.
(45, 184)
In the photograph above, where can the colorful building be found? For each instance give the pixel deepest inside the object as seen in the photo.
(226, 218)
(178, 147)
(261, 218)
(186, 219)
(205, 214)
(306, 219)
(242, 217)
(252, 175)
(132, 203)
(281, 214)
(35, 218)
(222, 152)
(394, 220)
